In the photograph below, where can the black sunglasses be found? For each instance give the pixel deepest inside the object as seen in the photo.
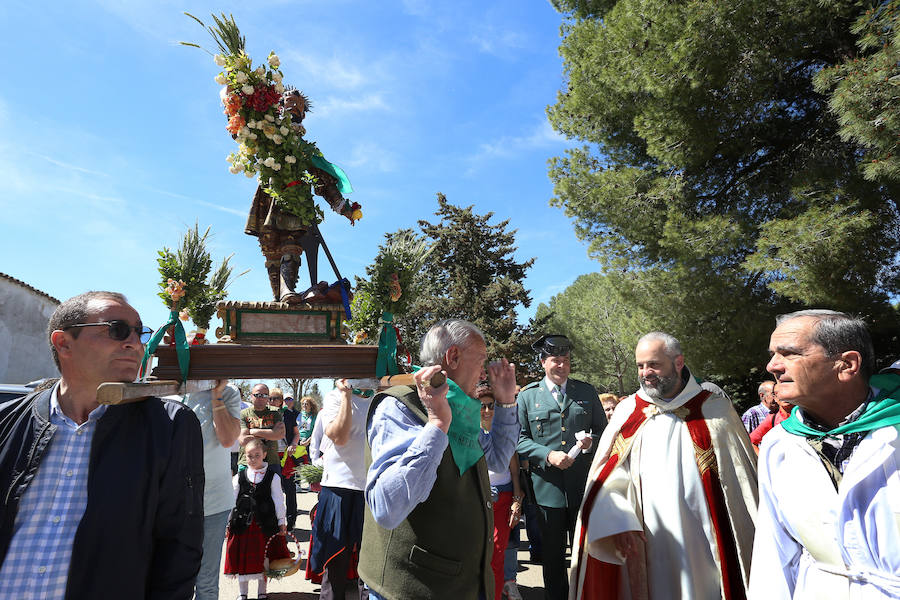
(119, 330)
(487, 406)
(260, 395)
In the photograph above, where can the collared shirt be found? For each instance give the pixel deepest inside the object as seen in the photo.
(557, 395)
(37, 563)
(754, 416)
(837, 449)
(406, 455)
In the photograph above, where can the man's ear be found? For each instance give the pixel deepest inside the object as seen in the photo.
(679, 362)
(848, 365)
(62, 341)
(451, 357)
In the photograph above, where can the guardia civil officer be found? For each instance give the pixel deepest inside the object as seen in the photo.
(551, 412)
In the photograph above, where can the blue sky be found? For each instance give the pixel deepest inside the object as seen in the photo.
(112, 137)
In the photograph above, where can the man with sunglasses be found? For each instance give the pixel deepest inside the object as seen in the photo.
(98, 501)
(552, 411)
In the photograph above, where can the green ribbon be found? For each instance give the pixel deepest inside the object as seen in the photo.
(182, 349)
(386, 360)
(883, 411)
(363, 393)
(465, 427)
(343, 182)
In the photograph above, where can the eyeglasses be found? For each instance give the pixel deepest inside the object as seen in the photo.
(119, 330)
(260, 395)
(487, 406)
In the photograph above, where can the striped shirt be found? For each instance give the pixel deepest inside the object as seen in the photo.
(37, 562)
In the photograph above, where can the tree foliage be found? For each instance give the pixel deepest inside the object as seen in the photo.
(717, 185)
(471, 273)
(603, 330)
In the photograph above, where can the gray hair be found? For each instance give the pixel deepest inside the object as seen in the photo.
(670, 344)
(765, 387)
(443, 335)
(74, 311)
(838, 332)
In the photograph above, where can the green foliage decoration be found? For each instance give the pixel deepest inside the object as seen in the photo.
(183, 283)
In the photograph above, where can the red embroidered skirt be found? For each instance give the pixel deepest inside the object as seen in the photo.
(244, 551)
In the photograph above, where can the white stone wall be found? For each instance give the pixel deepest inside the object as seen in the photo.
(24, 353)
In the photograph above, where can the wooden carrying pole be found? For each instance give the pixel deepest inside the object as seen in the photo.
(437, 380)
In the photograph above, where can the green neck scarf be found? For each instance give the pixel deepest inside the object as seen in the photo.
(465, 427)
(883, 411)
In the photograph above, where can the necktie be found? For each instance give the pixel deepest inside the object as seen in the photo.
(560, 396)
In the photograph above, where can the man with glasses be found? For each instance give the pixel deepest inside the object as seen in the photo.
(263, 422)
(552, 411)
(98, 501)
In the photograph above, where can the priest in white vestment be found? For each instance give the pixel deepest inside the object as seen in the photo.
(671, 497)
(829, 512)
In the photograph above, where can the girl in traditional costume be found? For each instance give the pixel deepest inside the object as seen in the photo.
(258, 514)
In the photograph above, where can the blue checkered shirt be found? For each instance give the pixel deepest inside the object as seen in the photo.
(37, 562)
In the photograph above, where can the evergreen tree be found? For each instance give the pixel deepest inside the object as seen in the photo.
(470, 273)
(717, 186)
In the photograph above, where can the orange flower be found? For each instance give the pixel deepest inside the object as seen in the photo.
(235, 124)
(232, 104)
(175, 289)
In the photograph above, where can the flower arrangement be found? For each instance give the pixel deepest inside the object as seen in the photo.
(184, 286)
(270, 145)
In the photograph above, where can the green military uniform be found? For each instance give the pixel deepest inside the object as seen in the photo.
(547, 426)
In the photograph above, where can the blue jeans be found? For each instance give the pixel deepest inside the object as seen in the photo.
(207, 587)
(511, 560)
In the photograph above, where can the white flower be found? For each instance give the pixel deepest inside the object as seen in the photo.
(220, 60)
(247, 89)
(277, 138)
(230, 158)
(261, 70)
(276, 76)
(276, 167)
(241, 77)
(244, 132)
(274, 60)
(290, 159)
(284, 130)
(269, 162)
(270, 118)
(236, 168)
(221, 79)
(249, 173)
(252, 136)
(279, 88)
(223, 94)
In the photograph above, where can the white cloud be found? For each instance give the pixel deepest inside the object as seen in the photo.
(370, 154)
(332, 105)
(227, 209)
(330, 71)
(67, 166)
(541, 136)
(503, 43)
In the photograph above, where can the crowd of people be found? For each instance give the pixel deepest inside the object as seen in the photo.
(664, 493)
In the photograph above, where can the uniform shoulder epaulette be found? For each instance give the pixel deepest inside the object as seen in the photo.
(531, 385)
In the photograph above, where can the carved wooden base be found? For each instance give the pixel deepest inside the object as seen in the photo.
(261, 323)
(233, 361)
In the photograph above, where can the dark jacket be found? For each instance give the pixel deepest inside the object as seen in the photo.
(141, 535)
(442, 551)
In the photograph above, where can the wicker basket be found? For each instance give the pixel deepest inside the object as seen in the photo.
(283, 567)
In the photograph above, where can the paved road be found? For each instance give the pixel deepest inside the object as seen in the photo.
(296, 587)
